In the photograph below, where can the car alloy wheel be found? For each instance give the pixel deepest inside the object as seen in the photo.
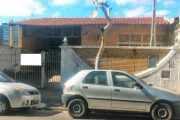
(162, 111)
(77, 108)
(4, 107)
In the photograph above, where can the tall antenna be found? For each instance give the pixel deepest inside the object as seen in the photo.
(153, 26)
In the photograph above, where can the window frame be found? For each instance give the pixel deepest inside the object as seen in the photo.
(148, 59)
(132, 79)
(165, 76)
(84, 80)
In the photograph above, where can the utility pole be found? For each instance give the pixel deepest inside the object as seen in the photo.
(153, 26)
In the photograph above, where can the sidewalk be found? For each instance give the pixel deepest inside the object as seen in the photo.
(52, 99)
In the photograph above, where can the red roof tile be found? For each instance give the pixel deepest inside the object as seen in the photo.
(87, 21)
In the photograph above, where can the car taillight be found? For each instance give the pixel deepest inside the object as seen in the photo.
(64, 86)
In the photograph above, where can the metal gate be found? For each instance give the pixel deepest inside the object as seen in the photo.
(32, 75)
(52, 68)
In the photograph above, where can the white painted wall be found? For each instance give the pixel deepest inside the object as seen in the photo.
(8, 59)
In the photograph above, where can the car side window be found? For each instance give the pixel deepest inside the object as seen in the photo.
(122, 80)
(96, 77)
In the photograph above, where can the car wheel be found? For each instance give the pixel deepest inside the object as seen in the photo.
(4, 106)
(77, 108)
(162, 111)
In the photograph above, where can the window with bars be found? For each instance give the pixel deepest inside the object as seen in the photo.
(130, 40)
(52, 31)
(57, 31)
(123, 38)
(76, 31)
(161, 38)
(135, 38)
(152, 61)
(146, 38)
(46, 31)
(67, 31)
(141, 39)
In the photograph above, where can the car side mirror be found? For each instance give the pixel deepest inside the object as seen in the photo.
(138, 85)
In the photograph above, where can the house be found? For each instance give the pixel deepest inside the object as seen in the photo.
(50, 32)
(127, 45)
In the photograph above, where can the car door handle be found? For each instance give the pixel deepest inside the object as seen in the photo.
(85, 87)
(116, 90)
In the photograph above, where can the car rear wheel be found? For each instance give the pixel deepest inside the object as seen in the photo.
(4, 106)
(77, 108)
(162, 111)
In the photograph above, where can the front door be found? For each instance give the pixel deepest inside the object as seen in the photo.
(124, 94)
(96, 89)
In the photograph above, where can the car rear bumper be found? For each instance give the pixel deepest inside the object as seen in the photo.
(65, 98)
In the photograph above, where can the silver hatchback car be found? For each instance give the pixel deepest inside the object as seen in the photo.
(117, 90)
(15, 95)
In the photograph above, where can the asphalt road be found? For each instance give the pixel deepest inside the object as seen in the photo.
(63, 115)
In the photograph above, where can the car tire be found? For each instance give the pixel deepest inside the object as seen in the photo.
(4, 106)
(162, 111)
(77, 108)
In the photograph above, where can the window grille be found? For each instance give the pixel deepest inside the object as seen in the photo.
(152, 61)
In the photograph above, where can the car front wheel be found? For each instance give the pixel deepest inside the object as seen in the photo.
(4, 106)
(77, 108)
(162, 111)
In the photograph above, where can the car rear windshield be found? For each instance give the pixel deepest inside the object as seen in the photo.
(5, 78)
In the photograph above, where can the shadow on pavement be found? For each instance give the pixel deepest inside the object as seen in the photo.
(115, 116)
(120, 116)
(32, 113)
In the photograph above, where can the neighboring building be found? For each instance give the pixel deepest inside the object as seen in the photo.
(1, 35)
(5, 35)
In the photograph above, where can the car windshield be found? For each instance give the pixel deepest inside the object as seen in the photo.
(139, 79)
(5, 78)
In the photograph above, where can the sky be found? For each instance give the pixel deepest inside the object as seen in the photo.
(18, 10)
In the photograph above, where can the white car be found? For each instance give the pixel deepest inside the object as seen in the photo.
(16, 95)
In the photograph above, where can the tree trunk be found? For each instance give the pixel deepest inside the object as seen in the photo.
(104, 30)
